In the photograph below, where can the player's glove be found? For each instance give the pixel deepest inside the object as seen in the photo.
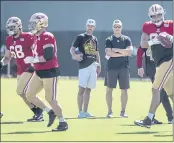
(28, 60)
(165, 34)
(154, 41)
(30, 69)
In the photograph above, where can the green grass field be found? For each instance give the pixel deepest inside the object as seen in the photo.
(15, 128)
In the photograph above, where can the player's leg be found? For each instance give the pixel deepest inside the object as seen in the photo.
(50, 87)
(22, 84)
(161, 77)
(166, 104)
(151, 70)
(35, 86)
(124, 83)
(83, 79)
(111, 82)
(91, 84)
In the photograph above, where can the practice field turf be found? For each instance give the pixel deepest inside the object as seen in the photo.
(15, 128)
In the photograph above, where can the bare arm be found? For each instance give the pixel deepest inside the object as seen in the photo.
(110, 53)
(72, 51)
(126, 52)
(7, 57)
(98, 58)
(144, 40)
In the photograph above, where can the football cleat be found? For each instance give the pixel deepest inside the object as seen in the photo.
(155, 121)
(63, 126)
(147, 122)
(52, 118)
(36, 119)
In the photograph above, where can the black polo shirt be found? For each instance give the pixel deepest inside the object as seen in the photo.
(122, 43)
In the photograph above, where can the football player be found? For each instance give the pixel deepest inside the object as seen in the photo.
(18, 45)
(46, 70)
(150, 72)
(163, 58)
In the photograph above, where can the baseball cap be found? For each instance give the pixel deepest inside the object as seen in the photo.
(91, 22)
(117, 21)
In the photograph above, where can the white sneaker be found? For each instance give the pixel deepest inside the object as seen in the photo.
(109, 115)
(88, 115)
(123, 114)
(81, 115)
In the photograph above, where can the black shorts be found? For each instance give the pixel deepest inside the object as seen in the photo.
(122, 75)
(49, 73)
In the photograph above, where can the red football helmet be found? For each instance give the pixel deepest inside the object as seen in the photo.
(156, 14)
(13, 26)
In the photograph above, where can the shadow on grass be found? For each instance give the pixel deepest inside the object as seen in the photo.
(11, 122)
(163, 135)
(131, 133)
(27, 132)
(91, 118)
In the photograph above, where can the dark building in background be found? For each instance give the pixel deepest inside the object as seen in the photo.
(67, 19)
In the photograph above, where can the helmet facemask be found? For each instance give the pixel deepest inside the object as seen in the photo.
(13, 26)
(37, 22)
(156, 14)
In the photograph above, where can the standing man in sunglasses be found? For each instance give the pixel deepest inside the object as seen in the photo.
(118, 48)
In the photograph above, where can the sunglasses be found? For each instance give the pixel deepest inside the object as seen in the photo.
(117, 27)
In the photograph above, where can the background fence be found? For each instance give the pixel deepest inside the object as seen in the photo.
(67, 19)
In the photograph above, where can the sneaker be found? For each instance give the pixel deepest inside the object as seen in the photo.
(81, 115)
(88, 115)
(110, 114)
(170, 122)
(63, 126)
(123, 114)
(52, 117)
(155, 121)
(147, 122)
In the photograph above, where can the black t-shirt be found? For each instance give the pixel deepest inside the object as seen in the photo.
(122, 43)
(87, 44)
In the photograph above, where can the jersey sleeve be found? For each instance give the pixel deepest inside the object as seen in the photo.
(171, 26)
(48, 41)
(77, 41)
(108, 43)
(139, 58)
(145, 28)
(7, 43)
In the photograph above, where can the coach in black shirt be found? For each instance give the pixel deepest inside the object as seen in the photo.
(118, 48)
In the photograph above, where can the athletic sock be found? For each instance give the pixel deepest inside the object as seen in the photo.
(150, 115)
